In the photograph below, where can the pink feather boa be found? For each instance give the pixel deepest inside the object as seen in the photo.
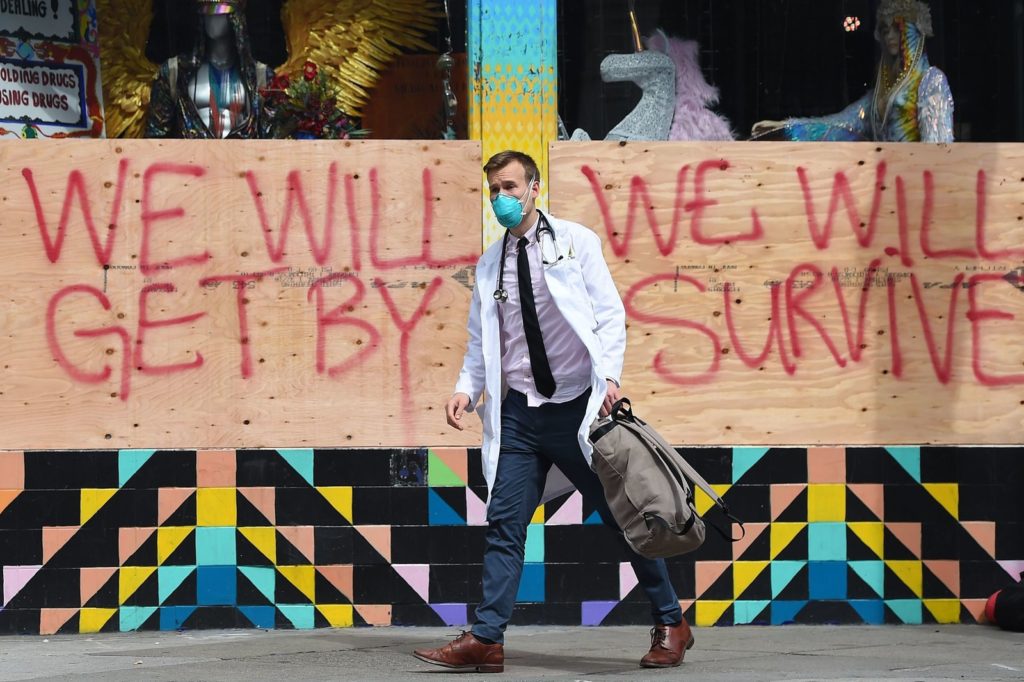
(693, 120)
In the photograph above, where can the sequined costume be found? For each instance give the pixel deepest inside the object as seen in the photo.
(192, 98)
(908, 104)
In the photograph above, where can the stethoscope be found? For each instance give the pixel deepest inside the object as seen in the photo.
(544, 227)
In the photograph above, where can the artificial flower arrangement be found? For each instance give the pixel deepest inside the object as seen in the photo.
(307, 108)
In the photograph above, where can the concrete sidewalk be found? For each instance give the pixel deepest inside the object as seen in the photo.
(957, 652)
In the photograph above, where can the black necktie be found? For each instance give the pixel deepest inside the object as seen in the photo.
(531, 325)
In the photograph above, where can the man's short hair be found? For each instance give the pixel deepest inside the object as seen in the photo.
(502, 159)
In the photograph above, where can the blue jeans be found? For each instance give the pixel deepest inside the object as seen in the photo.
(532, 439)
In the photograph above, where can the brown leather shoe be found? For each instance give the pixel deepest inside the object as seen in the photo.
(668, 645)
(466, 653)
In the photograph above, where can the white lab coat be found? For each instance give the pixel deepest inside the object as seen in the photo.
(584, 292)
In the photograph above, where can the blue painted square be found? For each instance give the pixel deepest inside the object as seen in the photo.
(259, 616)
(827, 579)
(871, 610)
(215, 546)
(826, 541)
(531, 585)
(174, 617)
(216, 585)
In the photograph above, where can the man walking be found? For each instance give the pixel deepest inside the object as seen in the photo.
(546, 349)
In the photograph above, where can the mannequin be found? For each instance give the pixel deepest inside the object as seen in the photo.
(911, 100)
(212, 91)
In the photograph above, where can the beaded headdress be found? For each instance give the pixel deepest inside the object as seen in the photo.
(913, 11)
(220, 6)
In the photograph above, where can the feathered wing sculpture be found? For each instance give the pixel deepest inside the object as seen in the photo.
(351, 40)
(127, 74)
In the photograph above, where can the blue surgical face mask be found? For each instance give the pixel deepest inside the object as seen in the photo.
(508, 209)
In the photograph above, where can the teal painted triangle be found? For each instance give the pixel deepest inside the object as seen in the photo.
(301, 460)
(301, 615)
(746, 611)
(870, 611)
(907, 610)
(132, 617)
(129, 462)
(783, 573)
(593, 520)
(909, 458)
(743, 459)
(872, 573)
(440, 512)
(262, 578)
(170, 578)
(535, 543)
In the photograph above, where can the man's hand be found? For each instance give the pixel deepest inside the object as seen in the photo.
(455, 408)
(610, 398)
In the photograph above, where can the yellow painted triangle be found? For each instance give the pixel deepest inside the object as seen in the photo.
(338, 615)
(168, 538)
(709, 611)
(871, 533)
(781, 534)
(93, 620)
(303, 577)
(263, 538)
(129, 578)
(944, 610)
(93, 499)
(704, 503)
(538, 514)
(340, 498)
(744, 573)
(910, 573)
(948, 495)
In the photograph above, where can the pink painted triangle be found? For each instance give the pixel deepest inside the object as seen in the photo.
(91, 579)
(976, 607)
(6, 497)
(301, 537)
(55, 537)
(1014, 568)
(263, 500)
(984, 533)
(907, 533)
(52, 620)
(379, 538)
(129, 540)
(753, 531)
(476, 509)
(872, 495)
(707, 573)
(783, 494)
(947, 571)
(627, 579)
(457, 459)
(339, 576)
(685, 604)
(168, 501)
(570, 513)
(15, 578)
(418, 577)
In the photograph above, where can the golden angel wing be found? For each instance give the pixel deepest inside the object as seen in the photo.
(354, 40)
(127, 74)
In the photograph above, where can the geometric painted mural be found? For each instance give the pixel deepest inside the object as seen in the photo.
(165, 540)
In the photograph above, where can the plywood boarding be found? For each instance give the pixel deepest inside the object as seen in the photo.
(702, 238)
(132, 336)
